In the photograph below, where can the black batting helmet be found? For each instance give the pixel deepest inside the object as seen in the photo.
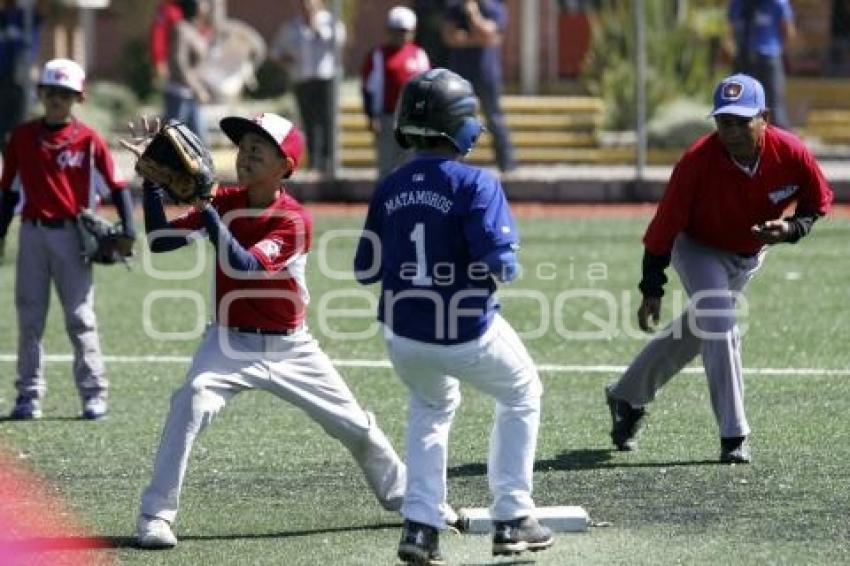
(438, 103)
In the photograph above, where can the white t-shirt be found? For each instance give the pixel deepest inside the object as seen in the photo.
(314, 51)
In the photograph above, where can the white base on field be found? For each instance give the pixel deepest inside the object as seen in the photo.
(560, 518)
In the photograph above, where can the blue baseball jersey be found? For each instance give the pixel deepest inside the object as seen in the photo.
(429, 228)
(765, 28)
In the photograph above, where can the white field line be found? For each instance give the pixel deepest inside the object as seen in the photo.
(548, 368)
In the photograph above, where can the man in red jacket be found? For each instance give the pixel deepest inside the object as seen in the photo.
(733, 194)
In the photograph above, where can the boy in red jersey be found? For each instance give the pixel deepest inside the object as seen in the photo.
(259, 339)
(59, 166)
(385, 71)
(727, 201)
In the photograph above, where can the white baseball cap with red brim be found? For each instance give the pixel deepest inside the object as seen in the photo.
(280, 131)
(63, 73)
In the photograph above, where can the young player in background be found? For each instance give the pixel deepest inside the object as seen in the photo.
(438, 236)
(385, 70)
(59, 166)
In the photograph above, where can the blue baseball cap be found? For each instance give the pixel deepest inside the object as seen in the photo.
(739, 95)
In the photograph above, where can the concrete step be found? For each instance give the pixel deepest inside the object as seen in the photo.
(828, 117)
(572, 121)
(365, 157)
(525, 104)
(351, 139)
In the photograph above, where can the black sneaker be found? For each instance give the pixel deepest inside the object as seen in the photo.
(420, 544)
(625, 422)
(26, 409)
(735, 450)
(517, 535)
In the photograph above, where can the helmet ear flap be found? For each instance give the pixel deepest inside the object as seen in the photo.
(401, 139)
(466, 136)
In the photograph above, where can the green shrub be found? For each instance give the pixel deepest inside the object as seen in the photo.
(680, 51)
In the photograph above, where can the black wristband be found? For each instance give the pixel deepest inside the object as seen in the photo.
(653, 278)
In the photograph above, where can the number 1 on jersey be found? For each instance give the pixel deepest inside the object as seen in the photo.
(417, 236)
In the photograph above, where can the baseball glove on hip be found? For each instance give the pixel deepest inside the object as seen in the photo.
(101, 241)
(177, 160)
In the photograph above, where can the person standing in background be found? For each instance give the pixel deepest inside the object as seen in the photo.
(307, 48)
(58, 166)
(761, 29)
(17, 54)
(167, 14)
(385, 70)
(474, 31)
(429, 14)
(185, 91)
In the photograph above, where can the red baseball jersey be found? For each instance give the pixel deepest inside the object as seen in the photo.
(279, 236)
(715, 202)
(58, 172)
(385, 71)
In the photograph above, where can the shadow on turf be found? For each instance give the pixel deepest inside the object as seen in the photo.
(585, 459)
(130, 542)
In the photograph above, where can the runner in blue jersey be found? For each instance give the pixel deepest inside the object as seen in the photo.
(439, 235)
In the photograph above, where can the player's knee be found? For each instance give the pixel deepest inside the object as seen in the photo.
(196, 396)
(526, 391)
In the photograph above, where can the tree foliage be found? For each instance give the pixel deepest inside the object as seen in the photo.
(682, 51)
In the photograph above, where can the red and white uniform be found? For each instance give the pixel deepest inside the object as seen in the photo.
(385, 71)
(716, 202)
(58, 172)
(260, 342)
(279, 237)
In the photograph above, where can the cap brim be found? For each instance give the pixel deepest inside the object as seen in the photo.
(735, 110)
(235, 127)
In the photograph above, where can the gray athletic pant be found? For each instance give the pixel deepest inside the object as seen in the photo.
(46, 254)
(389, 154)
(712, 278)
(293, 368)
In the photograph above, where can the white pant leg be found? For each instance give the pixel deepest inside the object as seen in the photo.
(32, 297)
(213, 378)
(506, 371)
(302, 374)
(434, 397)
(497, 364)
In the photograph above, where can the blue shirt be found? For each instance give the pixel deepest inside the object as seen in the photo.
(433, 222)
(478, 64)
(12, 40)
(765, 28)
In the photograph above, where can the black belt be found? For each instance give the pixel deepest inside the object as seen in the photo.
(267, 331)
(747, 256)
(52, 223)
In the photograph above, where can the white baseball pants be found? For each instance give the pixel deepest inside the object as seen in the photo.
(497, 364)
(712, 278)
(295, 369)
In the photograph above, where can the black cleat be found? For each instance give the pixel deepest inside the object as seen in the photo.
(420, 544)
(26, 409)
(735, 450)
(625, 422)
(518, 535)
